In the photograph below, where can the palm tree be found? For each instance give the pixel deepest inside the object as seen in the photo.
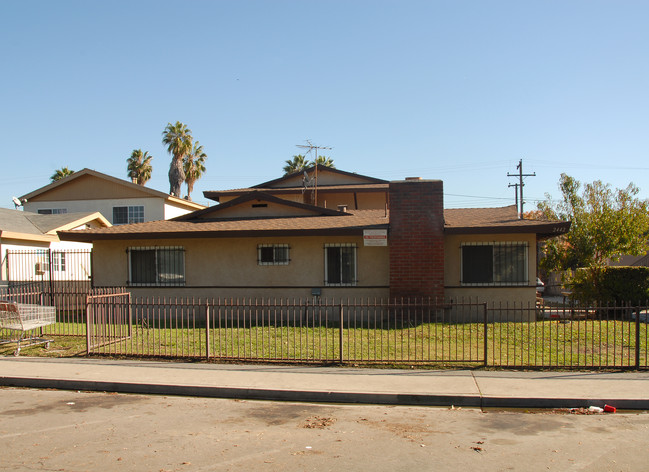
(297, 164)
(178, 139)
(61, 173)
(194, 167)
(324, 161)
(139, 166)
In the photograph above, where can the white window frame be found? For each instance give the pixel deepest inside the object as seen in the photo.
(58, 261)
(495, 282)
(52, 211)
(355, 262)
(134, 214)
(276, 260)
(158, 282)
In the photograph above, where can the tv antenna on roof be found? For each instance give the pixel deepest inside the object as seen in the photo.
(310, 146)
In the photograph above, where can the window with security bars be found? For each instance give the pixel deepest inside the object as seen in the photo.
(495, 263)
(123, 215)
(273, 254)
(340, 264)
(164, 266)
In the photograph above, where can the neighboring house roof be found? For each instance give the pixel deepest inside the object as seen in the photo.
(499, 220)
(329, 181)
(259, 197)
(135, 189)
(16, 224)
(362, 188)
(361, 179)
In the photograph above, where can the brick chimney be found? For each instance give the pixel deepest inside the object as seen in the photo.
(416, 238)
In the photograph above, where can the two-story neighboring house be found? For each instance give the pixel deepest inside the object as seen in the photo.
(119, 201)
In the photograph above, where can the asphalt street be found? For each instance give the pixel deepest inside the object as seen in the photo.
(88, 431)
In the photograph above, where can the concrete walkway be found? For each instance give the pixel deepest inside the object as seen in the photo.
(468, 388)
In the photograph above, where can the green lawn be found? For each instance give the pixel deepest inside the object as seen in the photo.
(584, 343)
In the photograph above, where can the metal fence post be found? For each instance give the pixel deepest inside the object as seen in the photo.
(340, 333)
(88, 324)
(637, 337)
(207, 330)
(486, 344)
(130, 315)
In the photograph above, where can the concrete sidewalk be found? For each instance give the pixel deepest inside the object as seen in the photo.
(468, 388)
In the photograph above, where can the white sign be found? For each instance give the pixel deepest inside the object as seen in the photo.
(375, 237)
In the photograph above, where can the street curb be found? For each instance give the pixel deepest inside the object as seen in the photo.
(405, 399)
(245, 393)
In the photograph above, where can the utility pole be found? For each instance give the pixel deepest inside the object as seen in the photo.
(310, 146)
(520, 184)
(515, 193)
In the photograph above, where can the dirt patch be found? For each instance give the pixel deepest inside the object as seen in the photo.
(318, 422)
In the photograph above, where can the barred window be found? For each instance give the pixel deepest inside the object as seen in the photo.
(495, 263)
(340, 264)
(156, 266)
(123, 215)
(273, 254)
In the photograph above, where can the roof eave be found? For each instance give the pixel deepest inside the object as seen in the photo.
(543, 231)
(28, 237)
(80, 236)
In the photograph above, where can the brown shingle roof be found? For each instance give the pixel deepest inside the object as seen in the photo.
(457, 221)
(307, 225)
(498, 220)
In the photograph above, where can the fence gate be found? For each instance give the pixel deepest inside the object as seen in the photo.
(108, 318)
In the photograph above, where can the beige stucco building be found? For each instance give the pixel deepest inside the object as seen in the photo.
(365, 239)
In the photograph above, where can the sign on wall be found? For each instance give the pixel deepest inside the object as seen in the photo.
(375, 237)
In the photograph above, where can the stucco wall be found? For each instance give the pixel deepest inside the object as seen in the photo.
(364, 200)
(227, 267)
(491, 294)
(172, 211)
(22, 273)
(153, 207)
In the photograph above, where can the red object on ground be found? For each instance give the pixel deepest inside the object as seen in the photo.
(609, 409)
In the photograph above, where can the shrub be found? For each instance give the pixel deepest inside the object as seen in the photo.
(618, 285)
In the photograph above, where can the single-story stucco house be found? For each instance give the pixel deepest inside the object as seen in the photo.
(334, 235)
(30, 249)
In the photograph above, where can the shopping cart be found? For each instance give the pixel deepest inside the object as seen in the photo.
(25, 319)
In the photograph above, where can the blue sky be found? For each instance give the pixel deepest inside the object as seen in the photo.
(453, 90)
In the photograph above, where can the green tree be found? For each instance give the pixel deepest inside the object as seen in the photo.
(606, 224)
(194, 167)
(324, 161)
(139, 166)
(299, 163)
(178, 139)
(61, 173)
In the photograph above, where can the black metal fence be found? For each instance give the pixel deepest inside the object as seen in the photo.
(399, 332)
(51, 277)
